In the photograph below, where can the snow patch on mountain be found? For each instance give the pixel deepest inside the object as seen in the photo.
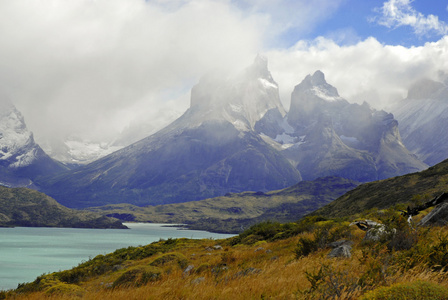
(322, 93)
(267, 84)
(15, 138)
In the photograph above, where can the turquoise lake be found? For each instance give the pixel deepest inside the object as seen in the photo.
(27, 252)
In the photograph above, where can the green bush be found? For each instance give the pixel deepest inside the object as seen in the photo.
(418, 290)
(138, 276)
(167, 258)
(438, 257)
(305, 247)
(65, 289)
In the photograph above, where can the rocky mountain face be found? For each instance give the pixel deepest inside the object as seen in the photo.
(329, 136)
(21, 159)
(236, 136)
(423, 119)
(209, 151)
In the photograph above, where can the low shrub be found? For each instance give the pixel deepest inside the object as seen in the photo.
(305, 246)
(168, 258)
(65, 289)
(409, 290)
(138, 276)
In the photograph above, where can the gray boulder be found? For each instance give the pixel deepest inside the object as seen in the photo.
(341, 248)
(438, 216)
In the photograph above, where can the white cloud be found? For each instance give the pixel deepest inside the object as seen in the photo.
(93, 67)
(366, 71)
(84, 66)
(397, 13)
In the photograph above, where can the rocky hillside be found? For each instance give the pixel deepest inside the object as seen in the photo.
(423, 118)
(415, 187)
(26, 207)
(333, 137)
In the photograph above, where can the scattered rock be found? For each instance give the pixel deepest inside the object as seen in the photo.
(217, 247)
(198, 280)
(341, 251)
(340, 243)
(188, 270)
(438, 216)
(341, 248)
(374, 230)
(259, 249)
(248, 271)
(268, 251)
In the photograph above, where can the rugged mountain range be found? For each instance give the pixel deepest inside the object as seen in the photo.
(423, 119)
(236, 136)
(21, 159)
(209, 151)
(328, 136)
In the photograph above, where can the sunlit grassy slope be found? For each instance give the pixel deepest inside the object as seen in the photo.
(267, 261)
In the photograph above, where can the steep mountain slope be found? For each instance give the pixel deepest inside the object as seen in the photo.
(26, 207)
(423, 119)
(21, 159)
(209, 151)
(331, 137)
(386, 193)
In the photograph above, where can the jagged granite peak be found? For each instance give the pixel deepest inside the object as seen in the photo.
(310, 97)
(211, 150)
(242, 100)
(21, 159)
(333, 137)
(422, 120)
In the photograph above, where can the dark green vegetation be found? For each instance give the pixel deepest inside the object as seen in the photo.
(417, 187)
(26, 207)
(233, 212)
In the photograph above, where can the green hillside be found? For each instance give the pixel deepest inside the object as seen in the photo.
(234, 212)
(385, 193)
(26, 207)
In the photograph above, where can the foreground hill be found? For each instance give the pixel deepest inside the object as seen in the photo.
(26, 207)
(385, 193)
(233, 212)
(268, 261)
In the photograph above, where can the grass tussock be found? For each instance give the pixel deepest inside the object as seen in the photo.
(267, 261)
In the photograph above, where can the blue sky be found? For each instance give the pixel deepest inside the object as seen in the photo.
(355, 20)
(92, 68)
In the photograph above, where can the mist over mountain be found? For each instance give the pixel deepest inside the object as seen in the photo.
(236, 136)
(328, 136)
(209, 151)
(21, 159)
(423, 119)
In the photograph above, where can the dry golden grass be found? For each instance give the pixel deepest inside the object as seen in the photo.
(265, 270)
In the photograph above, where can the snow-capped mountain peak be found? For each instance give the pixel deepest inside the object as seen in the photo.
(16, 141)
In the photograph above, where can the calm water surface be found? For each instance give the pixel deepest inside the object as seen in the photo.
(27, 252)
